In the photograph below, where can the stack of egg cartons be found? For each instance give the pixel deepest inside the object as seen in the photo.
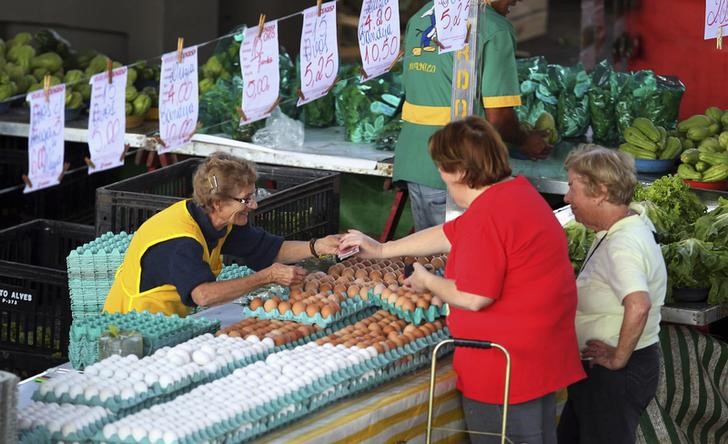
(8, 402)
(91, 270)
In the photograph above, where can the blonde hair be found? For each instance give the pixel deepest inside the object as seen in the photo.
(473, 147)
(601, 166)
(221, 175)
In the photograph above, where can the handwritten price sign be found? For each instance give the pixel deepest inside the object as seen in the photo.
(106, 120)
(178, 101)
(259, 66)
(716, 17)
(378, 35)
(451, 23)
(45, 138)
(319, 52)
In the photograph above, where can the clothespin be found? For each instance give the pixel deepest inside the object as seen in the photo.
(123, 153)
(396, 59)
(27, 181)
(47, 86)
(719, 39)
(273, 106)
(110, 69)
(439, 43)
(242, 115)
(467, 33)
(89, 162)
(66, 166)
(300, 95)
(180, 47)
(160, 141)
(318, 5)
(261, 24)
(363, 72)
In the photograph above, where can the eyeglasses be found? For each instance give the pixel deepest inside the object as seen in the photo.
(246, 200)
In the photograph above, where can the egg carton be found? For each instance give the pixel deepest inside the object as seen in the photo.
(348, 306)
(417, 316)
(44, 422)
(236, 271)
(157, 330)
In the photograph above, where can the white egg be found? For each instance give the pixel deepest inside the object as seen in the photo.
(208, 349)
(165, 381)
(138, 433)
(150, 378)
(178, 357)
(60, 389)
(69, 429)
(140, 387)
(155, 435)
(90, 392)
(202, 357)
(252, 339)
(92, 370)
(121, 374)
(162, 352)
(124, 432)
(169, 437)
(109, 430)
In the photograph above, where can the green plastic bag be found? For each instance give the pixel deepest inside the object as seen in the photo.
(602, 93)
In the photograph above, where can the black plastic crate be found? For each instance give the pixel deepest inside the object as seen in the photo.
(35, 312)
(304, 203)
(72, 200)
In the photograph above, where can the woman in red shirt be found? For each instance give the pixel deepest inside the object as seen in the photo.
(508, 280)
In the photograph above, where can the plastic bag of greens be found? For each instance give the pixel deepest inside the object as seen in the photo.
(573, 107)
(369, 111)
(601, 95)
(219, 111)
(531, 105)
(657, 98)
(625, 102)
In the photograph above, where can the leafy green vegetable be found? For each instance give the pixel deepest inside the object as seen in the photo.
(692, 263)
(680, 205)
(580, 239)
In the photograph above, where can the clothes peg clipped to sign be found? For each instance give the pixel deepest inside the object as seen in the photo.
(47, 86)
(318, 6)
(180, 47)
(719, 39)
(261, 25)
(66, 166)
(110, 69)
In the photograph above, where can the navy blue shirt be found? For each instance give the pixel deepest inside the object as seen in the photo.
(179, 261)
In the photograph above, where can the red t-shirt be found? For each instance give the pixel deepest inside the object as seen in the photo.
(508, 246)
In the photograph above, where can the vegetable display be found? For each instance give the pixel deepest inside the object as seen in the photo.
(706, 138)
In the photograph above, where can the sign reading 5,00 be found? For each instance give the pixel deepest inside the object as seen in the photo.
(319, 52)
(178, 102)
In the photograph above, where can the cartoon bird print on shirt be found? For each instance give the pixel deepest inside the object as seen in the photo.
(428, 35)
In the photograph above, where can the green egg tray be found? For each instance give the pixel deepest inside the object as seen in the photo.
(348, 307)
(417, 317)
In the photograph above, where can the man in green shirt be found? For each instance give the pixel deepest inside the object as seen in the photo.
(428, 90)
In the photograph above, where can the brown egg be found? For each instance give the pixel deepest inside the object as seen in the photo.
(422, 303)
(336, 298)
(392, 299)
(325, 287)
(326, 311)
(364, 293)
(379, 289)
(340, 288)
(298, 308)
(409, 328)
(393, 334)
(376, 274)
(255, 303)
(408, 337)
(389, 276)
(270, 305)
(400, 300)
(312, 309)
(348, 272)
(283, 307)
(408, 306)
(388, 329)
(386, 293)
(409, 260)
(234, 334)
(436, 301)
(398, 341)
(279, 340)
(352, 291)
(312, 286)
(295, 292)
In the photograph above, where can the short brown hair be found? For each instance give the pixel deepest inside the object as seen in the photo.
(221, 175)
(471, 146)
(601, 166)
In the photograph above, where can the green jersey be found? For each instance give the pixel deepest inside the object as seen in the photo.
(428, 87)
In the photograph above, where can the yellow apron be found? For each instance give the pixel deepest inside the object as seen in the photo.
(172, 223)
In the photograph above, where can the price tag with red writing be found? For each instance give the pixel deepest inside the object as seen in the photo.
(378, 36)
(451, 23)
(319, 52)
(716, 19)
(259, 66)
(45, 137)
(178, 101)
(106, 120)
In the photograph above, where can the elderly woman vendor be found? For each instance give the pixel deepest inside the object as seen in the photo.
(175, 256)
(621, 287)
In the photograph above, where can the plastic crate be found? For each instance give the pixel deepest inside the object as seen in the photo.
(304, 203)
(33, 262)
